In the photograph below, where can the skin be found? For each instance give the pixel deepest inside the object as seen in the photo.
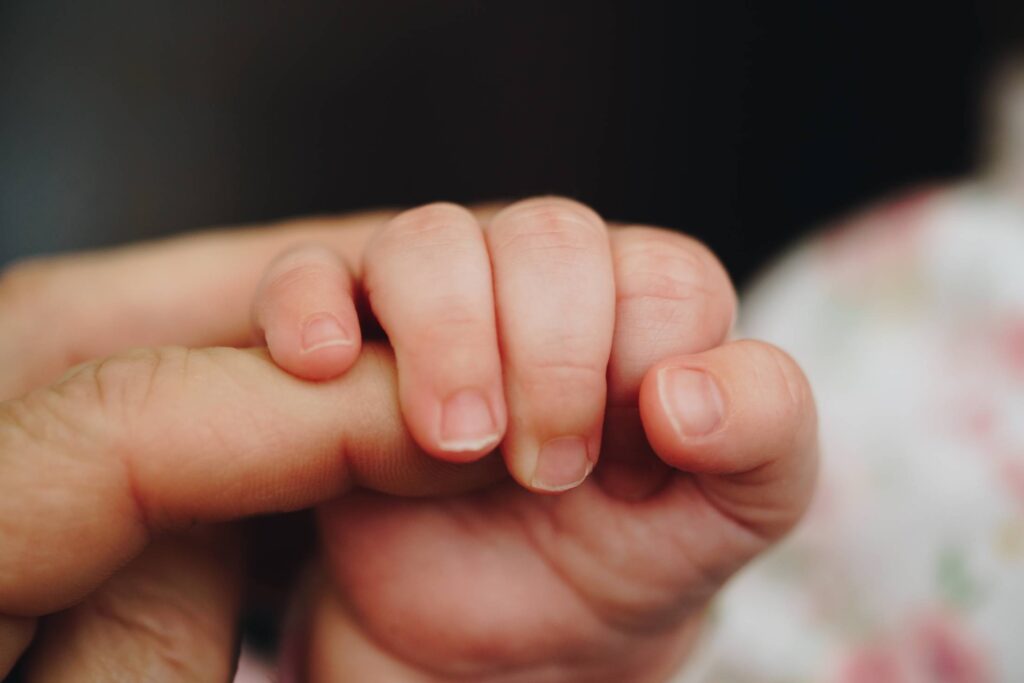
(566, 331)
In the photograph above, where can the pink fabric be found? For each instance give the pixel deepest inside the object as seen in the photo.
(909, 320)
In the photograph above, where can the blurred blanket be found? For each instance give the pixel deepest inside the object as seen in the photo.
(909, 568)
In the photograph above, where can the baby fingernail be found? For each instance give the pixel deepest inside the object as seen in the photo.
(691, 400)
(467, 423)
(321, 331)
(562, 464)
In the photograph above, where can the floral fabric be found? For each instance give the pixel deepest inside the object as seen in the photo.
(909, 568)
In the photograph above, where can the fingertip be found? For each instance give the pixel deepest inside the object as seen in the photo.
(305, 308)
(461, 427)
(683, 408)
(741, 417)
(468, 424)
(729, 409)
(321, 350)
(562, 464)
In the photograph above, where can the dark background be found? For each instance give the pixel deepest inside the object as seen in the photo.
(743, 123)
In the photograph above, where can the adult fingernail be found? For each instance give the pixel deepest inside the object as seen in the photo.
(321, 331)
(562, 464)
(467, 423)
(691, 400)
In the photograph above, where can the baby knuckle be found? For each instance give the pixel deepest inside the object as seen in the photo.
(308, 254)
(662, 269)
(563, 377)
(448, 328)
(440, 223)
(454, 316)
(549, 223)
(296, 275)
(644, 252)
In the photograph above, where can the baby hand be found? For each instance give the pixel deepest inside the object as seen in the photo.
(542, 332)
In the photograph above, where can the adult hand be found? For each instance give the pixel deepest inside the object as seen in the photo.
(103, 469)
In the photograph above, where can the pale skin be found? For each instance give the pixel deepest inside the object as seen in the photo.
(649, 456)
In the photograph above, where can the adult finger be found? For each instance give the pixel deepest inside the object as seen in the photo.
(170, 615)
(305, 309)
(554, 293)
(428, 280)
(156, 439)
(741, 419)
(194, 290)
